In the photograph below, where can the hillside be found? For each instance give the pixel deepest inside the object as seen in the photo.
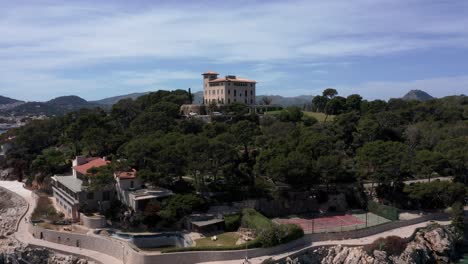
(417, 95)
(6, 100)
(115, 99)
(57, 106)
(71, 100)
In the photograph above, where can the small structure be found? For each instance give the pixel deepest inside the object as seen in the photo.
(131, 192)
(140, 198)
(204, 223)
(72, 195)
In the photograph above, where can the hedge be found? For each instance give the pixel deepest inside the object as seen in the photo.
(232, 222)
(389, 212)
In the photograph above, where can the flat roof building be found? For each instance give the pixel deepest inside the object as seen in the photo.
(228, 89)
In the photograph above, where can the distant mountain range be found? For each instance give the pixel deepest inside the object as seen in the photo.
(417, 95)
(115, 99)
(5, 100)
(56, 106)
(65, 104)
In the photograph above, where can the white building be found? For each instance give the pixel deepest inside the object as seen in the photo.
(131, 192)
(228, 90)
(70, 194)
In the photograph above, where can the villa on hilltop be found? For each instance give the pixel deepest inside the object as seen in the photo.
(228, 89)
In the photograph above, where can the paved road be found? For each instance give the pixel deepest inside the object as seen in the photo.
(25, 237)
(404, 232)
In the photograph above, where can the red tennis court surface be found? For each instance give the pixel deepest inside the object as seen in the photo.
(321, 224)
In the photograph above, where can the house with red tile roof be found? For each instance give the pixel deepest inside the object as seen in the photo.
(82, 165)
(71, 193)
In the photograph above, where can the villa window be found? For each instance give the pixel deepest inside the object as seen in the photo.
(235, 92)
(245, 100)
(229, 100)
(251, 92)
(229, 91)
(131, 184)
(246, 93)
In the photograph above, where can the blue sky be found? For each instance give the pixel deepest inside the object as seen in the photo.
(96, 49)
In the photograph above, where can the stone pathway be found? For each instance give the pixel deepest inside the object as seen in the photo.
(25, 237)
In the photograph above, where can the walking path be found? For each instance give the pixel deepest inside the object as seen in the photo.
(403, 232)
(24, 236)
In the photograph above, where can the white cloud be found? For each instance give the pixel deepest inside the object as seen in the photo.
(38, 41)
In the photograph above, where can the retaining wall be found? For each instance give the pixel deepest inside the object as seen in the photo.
(129, 254)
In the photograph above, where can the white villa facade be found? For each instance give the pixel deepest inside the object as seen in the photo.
(70, 194)
(228, 89)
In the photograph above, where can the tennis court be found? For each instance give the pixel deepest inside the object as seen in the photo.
(334, 223)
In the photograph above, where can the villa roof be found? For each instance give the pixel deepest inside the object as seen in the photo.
(224, 79)
(126, 174)
(92, 163)
(209, 72)
(72, 183)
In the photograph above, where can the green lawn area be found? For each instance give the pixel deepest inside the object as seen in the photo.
(319, 116)
(225, 239)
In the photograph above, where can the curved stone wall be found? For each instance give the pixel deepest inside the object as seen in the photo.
(129, 254)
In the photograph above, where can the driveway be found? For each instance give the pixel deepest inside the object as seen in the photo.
(25, 237)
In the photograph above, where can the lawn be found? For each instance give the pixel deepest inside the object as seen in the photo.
(225, 239)
(319, 116)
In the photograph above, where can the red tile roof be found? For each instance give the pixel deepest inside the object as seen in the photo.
(126, 174)
(92, 163)
(232, 80)
(209, 72)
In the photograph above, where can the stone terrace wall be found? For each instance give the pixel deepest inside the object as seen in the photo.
(132, 255)
(100, 244)
(93, 221)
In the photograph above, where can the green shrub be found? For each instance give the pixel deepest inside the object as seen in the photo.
(436, 194)
(458, 217)
(45, 210)
(279, 234)
(393, 245)
(232, 222)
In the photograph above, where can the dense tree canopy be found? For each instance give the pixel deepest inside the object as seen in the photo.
(384, 142)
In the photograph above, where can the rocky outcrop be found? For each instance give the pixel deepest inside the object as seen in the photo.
(40, 256)
(433, 244)
(12, 207)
